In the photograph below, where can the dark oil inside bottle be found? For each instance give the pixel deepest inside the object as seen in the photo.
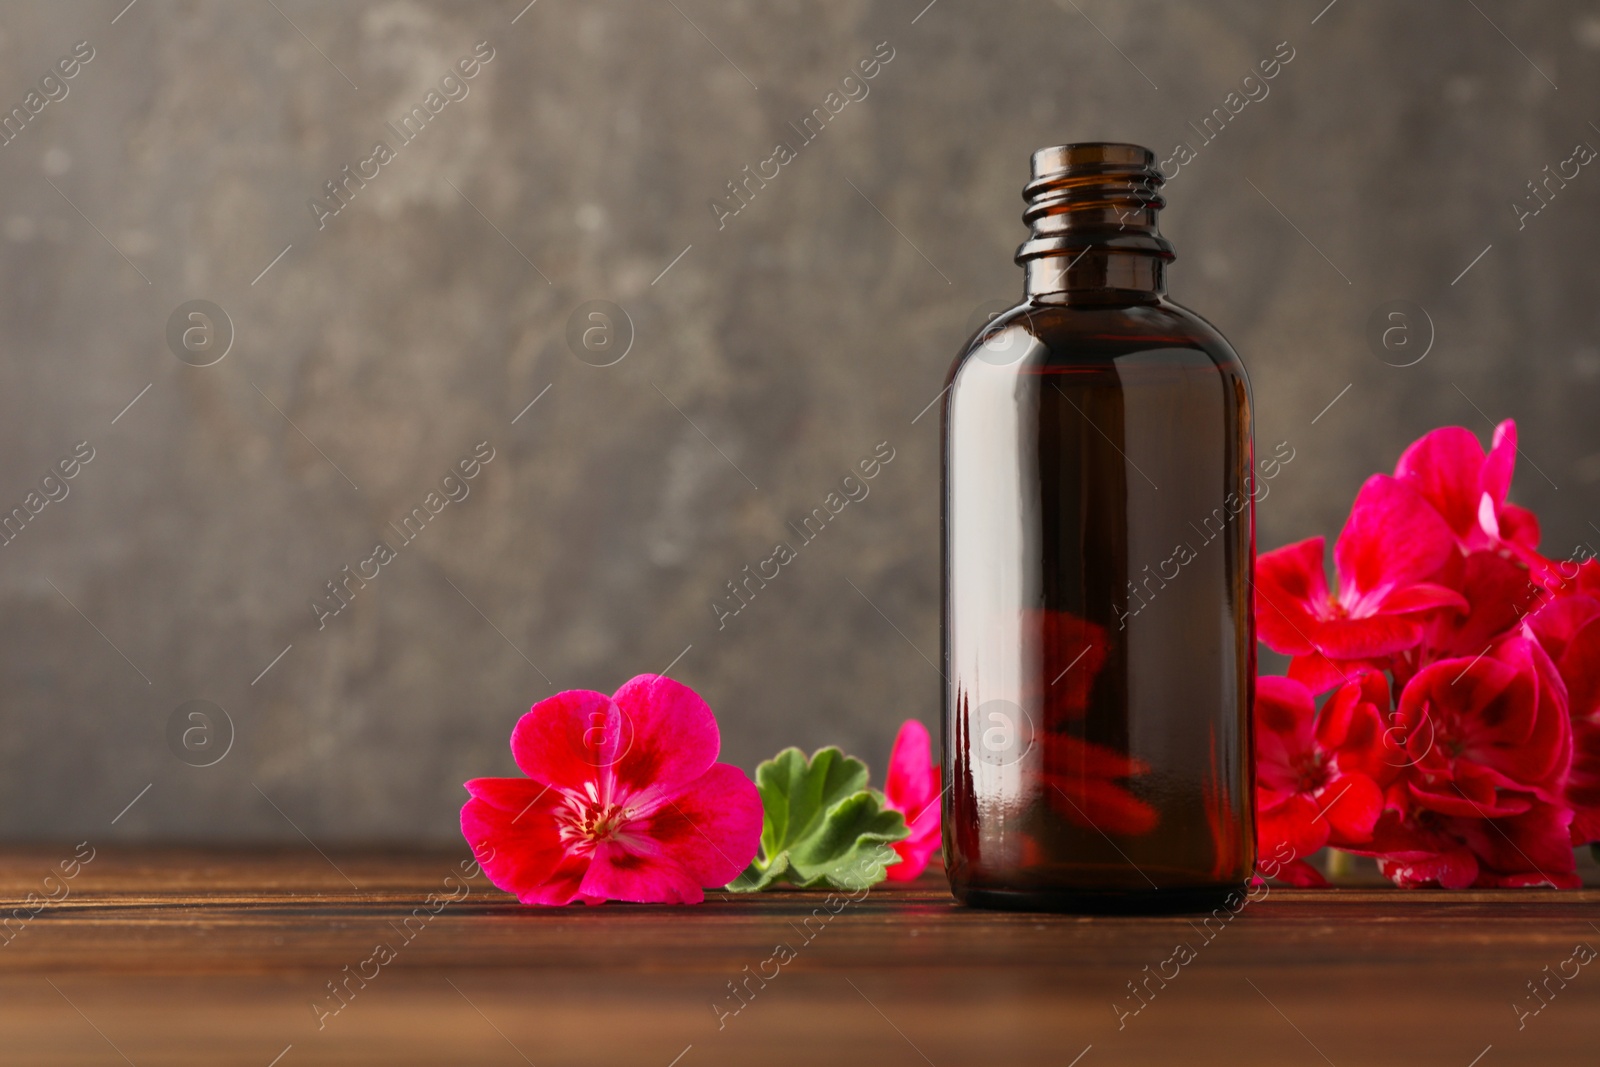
(1098, 526)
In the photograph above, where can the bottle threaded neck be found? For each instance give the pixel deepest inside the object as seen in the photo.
(1095, 194)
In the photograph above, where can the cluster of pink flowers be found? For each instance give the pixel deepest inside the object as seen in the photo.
(1442, 707)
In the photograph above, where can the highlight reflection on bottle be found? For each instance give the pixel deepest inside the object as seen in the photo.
(1098, 543)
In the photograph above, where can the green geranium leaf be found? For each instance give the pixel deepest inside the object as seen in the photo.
(820, 824)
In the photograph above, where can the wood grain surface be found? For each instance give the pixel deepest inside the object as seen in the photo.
(153, 956)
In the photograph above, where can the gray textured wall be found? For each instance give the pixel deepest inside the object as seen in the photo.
(775, 353)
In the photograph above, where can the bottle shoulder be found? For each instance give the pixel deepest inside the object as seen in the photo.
(1036, 337)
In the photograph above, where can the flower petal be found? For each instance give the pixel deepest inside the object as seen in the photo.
(1558, 621)
(1301, 875)
(1519, 527)
(913, 780)
(1291, 587)
(510, 825)
(1548, 729)
(1580, 669)
(671, 735)
(915, 852)
(1293, 823)
(1319, 674)
(1494, 478)
(713, 827)
(1393, 538)
(1359, 735)
(637, 870)
(1284, 720)
(1421, 597)
(912, 788)
(1351, 804)
(566, 739)
(1446, 467)
(1377, 635)
(1284, 706)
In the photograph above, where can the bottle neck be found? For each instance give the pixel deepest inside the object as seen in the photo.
(1092, 225)
(1096, 275)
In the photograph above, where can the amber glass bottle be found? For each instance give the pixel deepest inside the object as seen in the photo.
(1099, 534)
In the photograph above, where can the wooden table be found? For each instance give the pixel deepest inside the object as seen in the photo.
(225, 957)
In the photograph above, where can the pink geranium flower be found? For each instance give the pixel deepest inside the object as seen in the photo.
(623, 800)
(1487, 737)
(1487, 745)
(1319, 775)
(912, 789)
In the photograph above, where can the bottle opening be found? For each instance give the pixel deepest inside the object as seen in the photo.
(1096, 194)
